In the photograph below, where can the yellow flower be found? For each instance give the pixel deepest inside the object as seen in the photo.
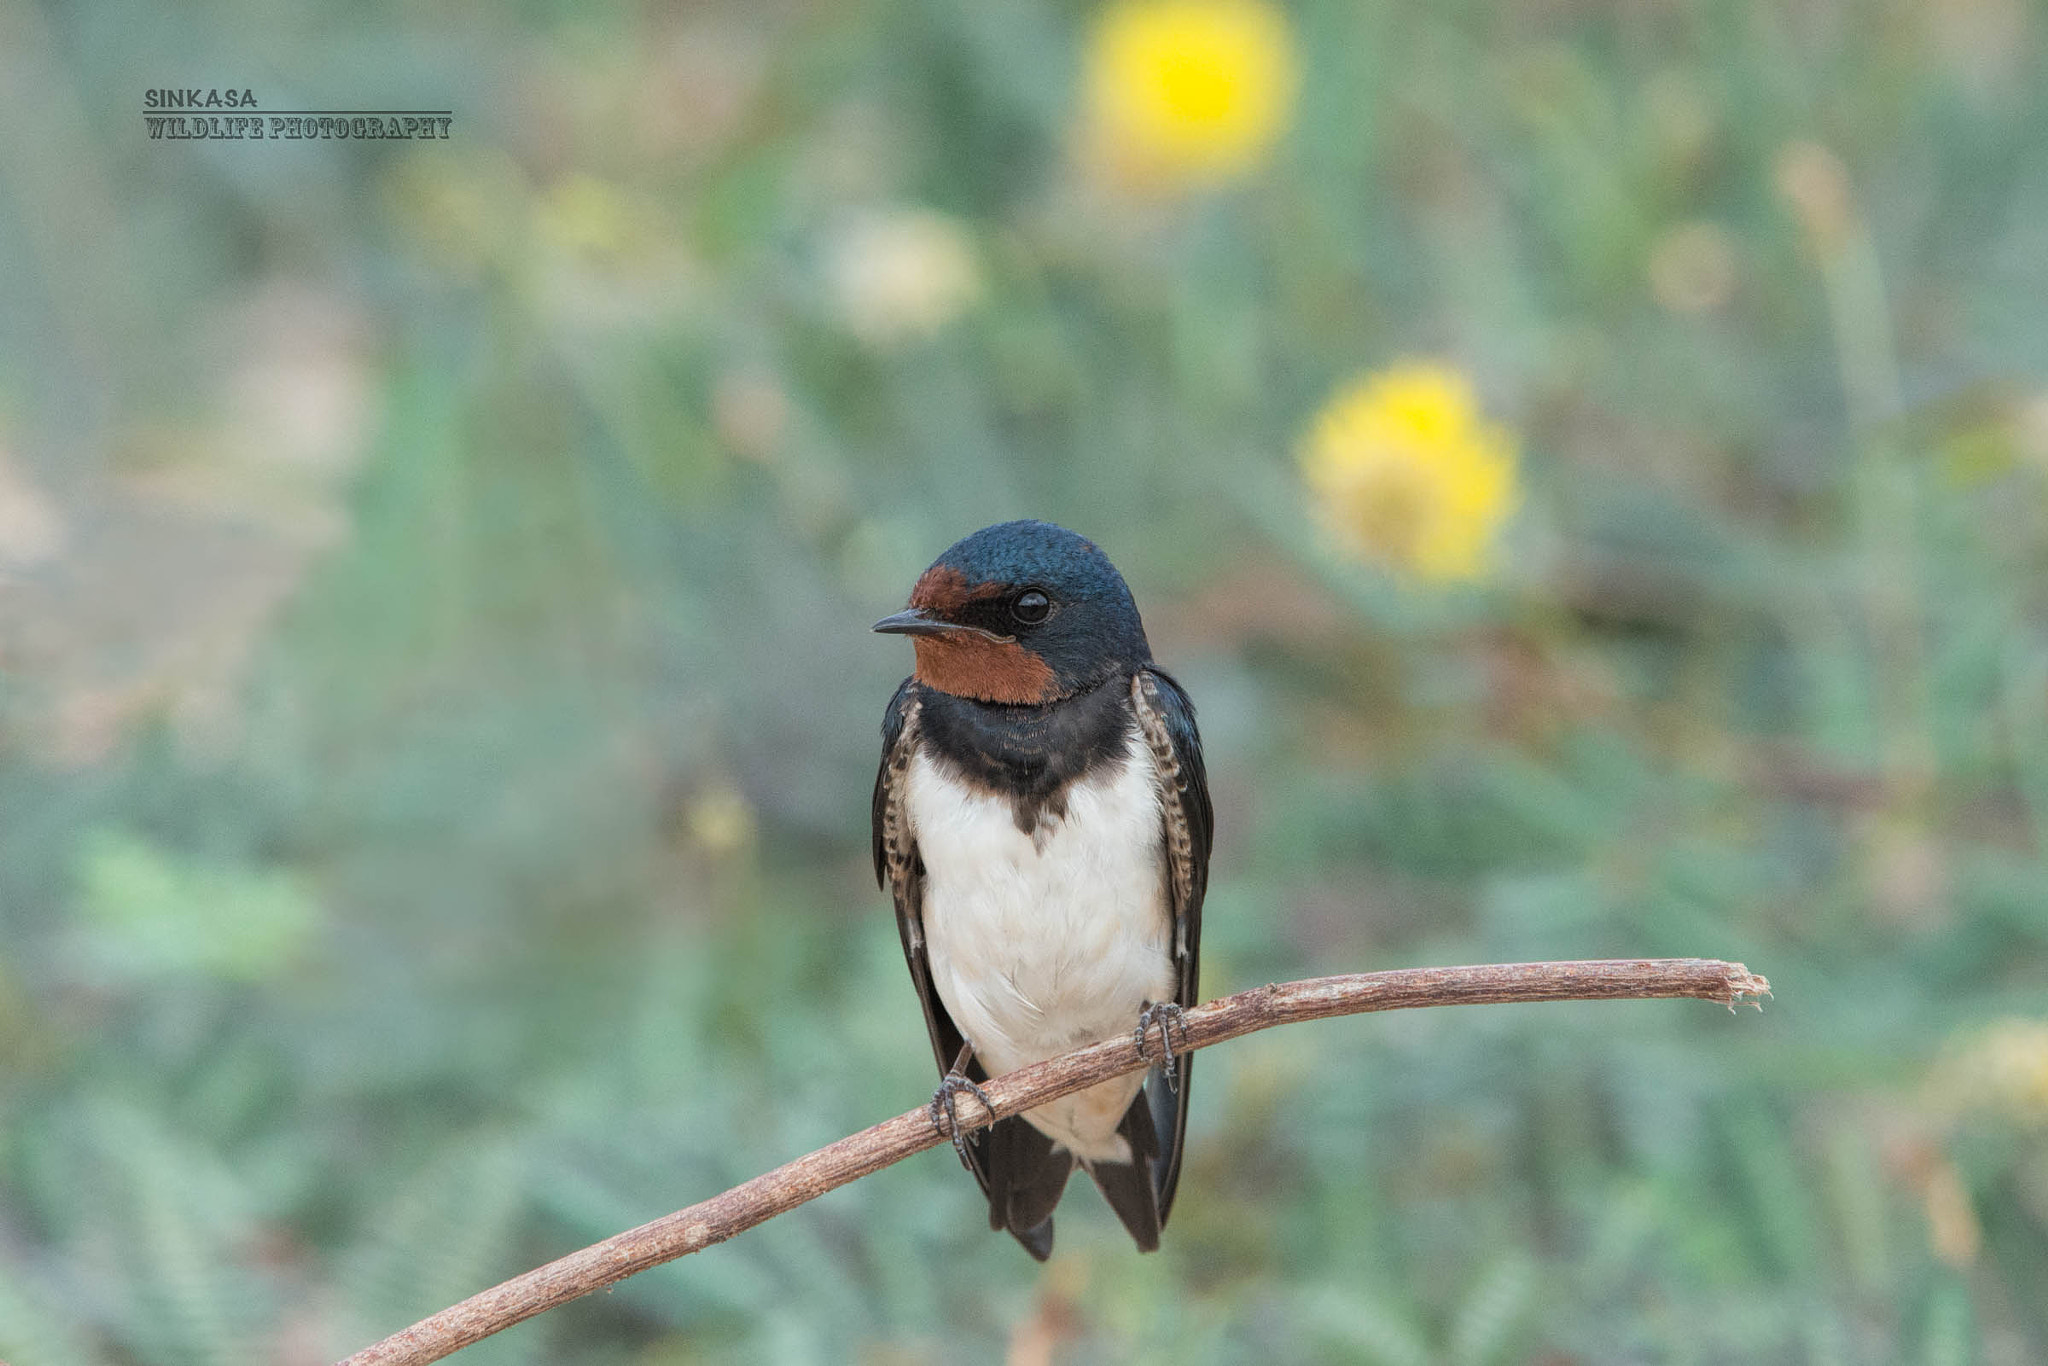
(1407, 473)
(599, 224)
(2004, 1068)
(720, 821)
(1187, 92)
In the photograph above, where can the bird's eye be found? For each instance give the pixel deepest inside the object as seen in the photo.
(1030, 607)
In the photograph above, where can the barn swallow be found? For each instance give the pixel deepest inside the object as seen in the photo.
(1042, 821)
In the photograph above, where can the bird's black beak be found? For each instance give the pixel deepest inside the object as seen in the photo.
(916, 621)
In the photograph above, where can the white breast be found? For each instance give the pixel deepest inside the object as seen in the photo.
(1042, 942)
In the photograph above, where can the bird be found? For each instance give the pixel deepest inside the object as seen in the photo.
(1042, 822)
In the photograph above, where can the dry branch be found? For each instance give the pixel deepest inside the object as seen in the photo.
(764, 1197)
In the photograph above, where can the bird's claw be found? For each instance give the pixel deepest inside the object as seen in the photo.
(951, 1085)
(1168, 1016)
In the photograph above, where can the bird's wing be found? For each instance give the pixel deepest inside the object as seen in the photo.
(899, 869)
(1015, 1164)
(1167, 718)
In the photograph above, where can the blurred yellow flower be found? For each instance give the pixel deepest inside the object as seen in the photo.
(1407, 473)
(902, 274)
(720, 821)
(2003, 1069)
(1187, 92)
(597, 221)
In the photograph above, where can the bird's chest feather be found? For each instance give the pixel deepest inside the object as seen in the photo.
(1045, 939)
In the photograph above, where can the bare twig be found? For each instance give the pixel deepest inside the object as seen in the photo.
(764, 1197)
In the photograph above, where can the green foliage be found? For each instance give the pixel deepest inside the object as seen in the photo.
(149, 913)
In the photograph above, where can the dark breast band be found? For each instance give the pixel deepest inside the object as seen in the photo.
(1028, 754)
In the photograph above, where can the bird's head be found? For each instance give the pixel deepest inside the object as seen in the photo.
(1021, 612)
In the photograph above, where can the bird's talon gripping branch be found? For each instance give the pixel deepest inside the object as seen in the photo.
(943, 1109)
(1168, 1016)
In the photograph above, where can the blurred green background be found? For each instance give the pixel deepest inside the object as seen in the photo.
(439, 710)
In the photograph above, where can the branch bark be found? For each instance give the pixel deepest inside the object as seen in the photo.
(794, 1183)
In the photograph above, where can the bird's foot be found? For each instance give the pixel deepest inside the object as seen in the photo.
(1168, 1016)
(946, 1118)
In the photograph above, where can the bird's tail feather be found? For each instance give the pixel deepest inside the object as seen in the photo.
(1130, 1187)
(1026, 1176)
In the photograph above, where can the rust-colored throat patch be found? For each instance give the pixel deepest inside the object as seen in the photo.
(969, 665)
